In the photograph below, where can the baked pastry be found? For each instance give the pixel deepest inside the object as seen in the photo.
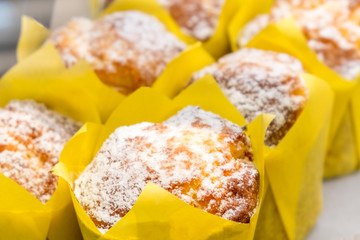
(126, 49)
(258, 81)
(331, 28)
(31, 139)
(197, 18)
(204, 160)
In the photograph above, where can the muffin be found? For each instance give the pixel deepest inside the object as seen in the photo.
(331, 28)
(202, 159)
(31, 140)
(127, 49)
(257, 81)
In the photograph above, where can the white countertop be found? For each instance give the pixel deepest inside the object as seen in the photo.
(340, 218)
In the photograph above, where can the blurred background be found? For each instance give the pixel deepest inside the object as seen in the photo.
(43, 11)
(10, 21)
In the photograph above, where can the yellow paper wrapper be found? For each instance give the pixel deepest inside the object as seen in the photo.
(32, 36)
(355, 107)
(284, 36)
(102, 100)
(22, 215)
(341, 158)
(157, 214)
(170, 82)
(218, 44)
(96, 7)
(179, 71)
(293, 199)
(246, 12)
(294, 167)
(76, 93)
(103, 97)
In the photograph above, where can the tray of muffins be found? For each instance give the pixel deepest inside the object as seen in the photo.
(179, 119)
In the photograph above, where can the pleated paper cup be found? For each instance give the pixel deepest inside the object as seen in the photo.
(157, 214)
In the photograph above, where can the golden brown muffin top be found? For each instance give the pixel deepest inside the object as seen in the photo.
(258, 81)
(331, 28)
(31, 139)
(126, 49)
(202, 159)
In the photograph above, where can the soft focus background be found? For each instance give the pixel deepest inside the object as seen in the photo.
(340, 219)
(10, 21)
(42, 10)
(341, 216)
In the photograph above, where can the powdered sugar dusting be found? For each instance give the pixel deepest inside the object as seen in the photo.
(73, 40)
(127, 49)
(149, 37)
(209, 168)
(331, 28)
(197, 18)
(196, 117)
(258, 81)
(31, 139)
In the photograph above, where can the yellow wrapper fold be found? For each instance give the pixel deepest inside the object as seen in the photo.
(157, 214)
(246, 12)
(284, 36)
(79, 82)
(295, 167)
(174, 77)
(179, 71)
(96, 7)
(32, 36)
(218, 44)
(293, 198)
(104, 98)
(355, 107)
(22, 215)
(76, 93)
(341, 158)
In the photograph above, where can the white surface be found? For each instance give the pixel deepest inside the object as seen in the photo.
(340, 218)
